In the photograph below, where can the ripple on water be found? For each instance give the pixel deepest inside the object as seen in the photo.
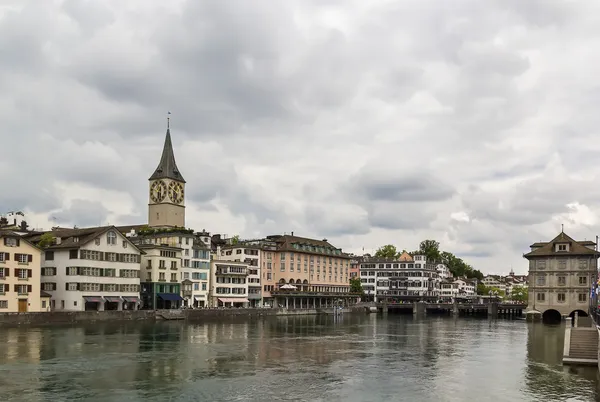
(355, 358)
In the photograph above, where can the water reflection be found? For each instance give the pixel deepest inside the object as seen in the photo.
(545, 373)
(352, 358)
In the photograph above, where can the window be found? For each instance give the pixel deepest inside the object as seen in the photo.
(562, 247)
(283, 267)
(582, 297)
(203, 285)
(561, 297)
(24, 258)
(72, 254)
(43, 303)
(49, 255)
(97, 241)
(562, 264)
(173, 264)
(541, 297)
(111, 238)
(3, 303)
(173, 277)
(196, 286)
(583, 280)
(11, 242)
(124, 243)
(583, 264)
(562, 280)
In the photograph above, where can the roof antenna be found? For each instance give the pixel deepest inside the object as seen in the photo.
(168, 120)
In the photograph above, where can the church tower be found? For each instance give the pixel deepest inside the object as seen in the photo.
(166, 207)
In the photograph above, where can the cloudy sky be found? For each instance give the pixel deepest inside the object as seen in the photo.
(367, 122)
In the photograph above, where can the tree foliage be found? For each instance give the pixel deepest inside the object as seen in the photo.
(519, 294)
(46, 240)
(388, 251)
(485, 290)
(3, 221)
(356, 286)
(235, 239)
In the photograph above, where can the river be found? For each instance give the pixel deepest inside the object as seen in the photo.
(326, 358)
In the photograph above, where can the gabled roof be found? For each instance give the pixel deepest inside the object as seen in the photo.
(405, 257)
(68, 236)
(575, 248)
(20, 236)
(167, 168)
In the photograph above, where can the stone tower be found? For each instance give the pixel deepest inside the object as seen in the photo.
(166, 206)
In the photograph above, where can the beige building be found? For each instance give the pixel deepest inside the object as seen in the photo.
(561, 274)
(20, 275)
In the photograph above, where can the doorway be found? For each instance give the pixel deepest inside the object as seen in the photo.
(22, 305)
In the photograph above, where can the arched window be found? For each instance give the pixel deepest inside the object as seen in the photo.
(111, 238)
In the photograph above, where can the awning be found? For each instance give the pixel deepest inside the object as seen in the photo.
(131, 299)
(113, 299)
(170, 296)
(93, 299)
(199, 297)
(233, 300)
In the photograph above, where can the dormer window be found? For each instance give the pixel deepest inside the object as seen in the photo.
(562, 247)
(75, 239)
(111, 238)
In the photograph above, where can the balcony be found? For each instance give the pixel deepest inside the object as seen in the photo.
(23, 279)
(162, 280)
(23, 263)
(232, 271)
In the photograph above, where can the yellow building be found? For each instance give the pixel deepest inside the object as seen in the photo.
(20, 270)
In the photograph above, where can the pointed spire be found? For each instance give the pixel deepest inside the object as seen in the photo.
(167, 168)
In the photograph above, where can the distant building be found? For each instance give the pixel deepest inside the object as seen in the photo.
(561, 274)
(20, 273)
(407, 278)
(251, 255)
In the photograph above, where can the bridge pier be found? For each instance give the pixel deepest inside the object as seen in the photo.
(384, 310)
(493, 310)
(455, 310)
(419, 309)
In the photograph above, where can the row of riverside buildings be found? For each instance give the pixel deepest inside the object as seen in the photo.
(164, 265)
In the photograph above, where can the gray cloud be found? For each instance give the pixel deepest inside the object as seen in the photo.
(368, 123)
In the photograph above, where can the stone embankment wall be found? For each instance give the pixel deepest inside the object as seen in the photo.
(66, 318)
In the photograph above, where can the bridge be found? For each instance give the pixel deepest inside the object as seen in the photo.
(422, 308)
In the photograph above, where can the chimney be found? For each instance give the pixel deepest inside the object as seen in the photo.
(292, 233)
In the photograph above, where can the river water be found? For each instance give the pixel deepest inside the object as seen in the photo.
(349, 358)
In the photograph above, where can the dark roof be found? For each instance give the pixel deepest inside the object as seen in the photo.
(68, 235)
(167, 168)
(45, 294)
(548, 249)
(285, 243)
(199, 245)
(11, 233)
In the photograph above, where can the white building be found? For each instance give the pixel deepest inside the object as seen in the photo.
(443, 272)
(466, 287)
(251, 255)
(90, 269)
(403, 279)
(448, 290)
(228, 284)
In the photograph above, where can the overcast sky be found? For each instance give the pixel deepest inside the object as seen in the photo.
(367, 122)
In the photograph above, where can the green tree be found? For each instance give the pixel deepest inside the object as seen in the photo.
(46, 240)
(482, 289)
(235, 239)
(519, 294)
(388, 251)
(430, 249)
(356, 286)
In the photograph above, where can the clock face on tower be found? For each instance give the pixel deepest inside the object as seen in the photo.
(176, 192)
(158, 191)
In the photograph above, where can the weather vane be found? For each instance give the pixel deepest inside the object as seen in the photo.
(168, 120)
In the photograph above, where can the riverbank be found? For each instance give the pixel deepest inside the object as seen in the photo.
(62, 318)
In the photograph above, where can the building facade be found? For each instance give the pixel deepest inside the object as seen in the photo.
(407, 278)
(20, 275)
(561, 274)
(229, 284)
(250, 254)
(91, 269)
